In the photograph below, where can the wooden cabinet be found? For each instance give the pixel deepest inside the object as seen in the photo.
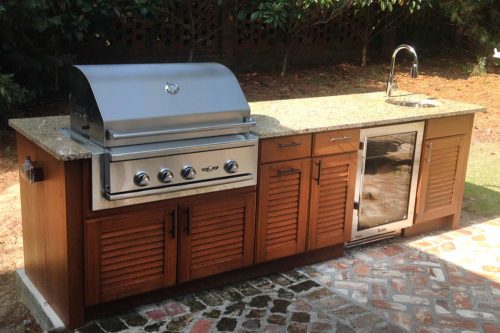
(442, 168)
(442, 164)
(282, 211)
(129, 254)
(135, 252)
(216, 236)
(307, 203)
(332, 200)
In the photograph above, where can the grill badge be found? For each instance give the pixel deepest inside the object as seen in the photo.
(210, 168)
(171, 87)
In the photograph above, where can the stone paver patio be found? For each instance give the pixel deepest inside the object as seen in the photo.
(446, 281)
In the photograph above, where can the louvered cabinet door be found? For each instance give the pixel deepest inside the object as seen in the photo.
(332, 199)
(443, 160)
(129, 254)
(216, 236)
(282, 212)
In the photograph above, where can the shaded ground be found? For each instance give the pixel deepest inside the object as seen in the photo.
(438, 79)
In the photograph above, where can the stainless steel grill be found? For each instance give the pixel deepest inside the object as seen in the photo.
(162, 130)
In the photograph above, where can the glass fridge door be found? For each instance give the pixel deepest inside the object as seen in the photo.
(384, 195)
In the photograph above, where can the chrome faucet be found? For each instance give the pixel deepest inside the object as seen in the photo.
(414, 68)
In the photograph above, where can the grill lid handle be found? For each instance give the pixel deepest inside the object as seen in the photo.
(113, 135)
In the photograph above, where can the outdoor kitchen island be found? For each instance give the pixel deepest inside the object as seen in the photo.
(86, 263)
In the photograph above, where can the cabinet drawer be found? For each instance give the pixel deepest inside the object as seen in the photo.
(448, 126)
(335, 142)
(285, 148)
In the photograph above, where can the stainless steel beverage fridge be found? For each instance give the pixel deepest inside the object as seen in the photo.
(386, 182)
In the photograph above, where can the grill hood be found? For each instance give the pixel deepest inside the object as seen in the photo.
(117, 105)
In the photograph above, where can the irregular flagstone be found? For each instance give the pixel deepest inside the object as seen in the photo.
(201, 326)
(212, 314)
(256, 313)
(276, 319)
(179, 323)
(113, 324)
(235, 309)
(247, 289)
(297, 328)
(134, 319)
(226, 324)
(251, 324)
(154, 327)
(210, 298)
(303, 286)
(280, 306)
(260, 301)
(301, 317)
(192, 303)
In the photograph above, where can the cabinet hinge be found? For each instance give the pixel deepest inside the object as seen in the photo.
(361, 146)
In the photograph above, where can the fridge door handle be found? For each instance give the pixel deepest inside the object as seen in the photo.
(363, 162)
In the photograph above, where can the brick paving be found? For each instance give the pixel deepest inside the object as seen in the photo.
(446, 281)
(439, 282)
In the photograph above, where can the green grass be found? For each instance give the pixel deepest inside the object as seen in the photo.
(482, 183)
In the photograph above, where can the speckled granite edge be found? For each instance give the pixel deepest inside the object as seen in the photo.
(49, 134)
(274, 118)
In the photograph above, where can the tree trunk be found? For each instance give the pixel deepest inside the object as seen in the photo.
(284, 64)
(191, 53)
(363, 57)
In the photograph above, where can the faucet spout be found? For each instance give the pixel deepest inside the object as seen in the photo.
(414, 68)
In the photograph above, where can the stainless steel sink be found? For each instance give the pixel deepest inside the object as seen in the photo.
(413, 103)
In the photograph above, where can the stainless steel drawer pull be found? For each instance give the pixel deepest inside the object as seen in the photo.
(333, 139)
(287, 145)
(287, 171)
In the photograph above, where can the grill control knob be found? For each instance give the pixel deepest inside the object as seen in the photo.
(231, 166)
(188, 172)
(165, 175)
(141, 178)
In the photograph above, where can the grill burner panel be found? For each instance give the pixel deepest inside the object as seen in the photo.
(207, 165)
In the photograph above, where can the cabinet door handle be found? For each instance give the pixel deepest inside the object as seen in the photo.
(188, 222)
(173, 214)
(333, 139)
(287, 145)
(287, 171)
(319, 171)
(429, 159)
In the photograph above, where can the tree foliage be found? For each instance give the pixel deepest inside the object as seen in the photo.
(477, 22)
(380, 16)
(292, 17)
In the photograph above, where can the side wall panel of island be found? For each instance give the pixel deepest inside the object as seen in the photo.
(52, 230)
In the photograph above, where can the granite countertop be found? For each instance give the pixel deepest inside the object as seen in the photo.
(274, 118)
(318, 114)
(51, 134)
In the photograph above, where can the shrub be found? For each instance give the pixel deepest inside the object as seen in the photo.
(11, 95)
